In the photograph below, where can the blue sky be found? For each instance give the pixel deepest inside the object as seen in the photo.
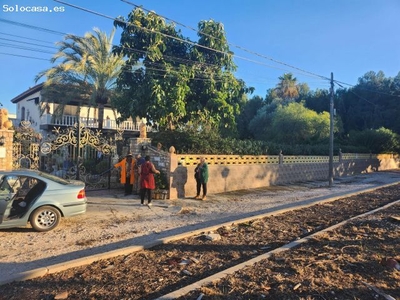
(269, 37)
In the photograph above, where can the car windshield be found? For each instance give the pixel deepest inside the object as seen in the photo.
(55, 178)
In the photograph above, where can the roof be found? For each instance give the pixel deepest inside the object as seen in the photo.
(27, 93)
(32, 90)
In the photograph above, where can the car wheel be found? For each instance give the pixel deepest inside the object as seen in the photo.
(45, 218)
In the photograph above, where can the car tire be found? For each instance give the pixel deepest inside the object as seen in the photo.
(45, 218)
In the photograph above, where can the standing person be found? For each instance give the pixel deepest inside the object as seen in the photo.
(147, 183)
(201, 175)
(127, 166)
(139, 161)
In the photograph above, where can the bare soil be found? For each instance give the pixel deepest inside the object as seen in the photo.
(347, 263)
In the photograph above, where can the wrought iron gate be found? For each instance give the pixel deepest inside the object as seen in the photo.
(75, 152)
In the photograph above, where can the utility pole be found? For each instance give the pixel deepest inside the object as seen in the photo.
(331, 135)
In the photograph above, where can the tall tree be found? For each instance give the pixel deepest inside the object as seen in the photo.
(179, 81)
(287, 87)
(87, 66)
(219, 92)
(249, 111)
(371, 104)
(318, 100)
(295, 124)
(157, 88)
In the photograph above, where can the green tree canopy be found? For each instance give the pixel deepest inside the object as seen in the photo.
(178, 81)
(287, 88)
(380, 140)
(371, 104)
(249, 111)
(296, 124)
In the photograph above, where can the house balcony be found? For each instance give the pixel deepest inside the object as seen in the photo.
(46, 123)
(108, 124)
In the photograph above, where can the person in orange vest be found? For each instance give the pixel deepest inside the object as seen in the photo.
(127, 167)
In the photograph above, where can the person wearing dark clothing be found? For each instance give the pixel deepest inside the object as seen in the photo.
(201, 175)
(139, 161)
(147, 182)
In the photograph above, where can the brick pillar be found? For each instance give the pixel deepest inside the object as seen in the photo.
(6, 150)
(174, 177)
(136, 145)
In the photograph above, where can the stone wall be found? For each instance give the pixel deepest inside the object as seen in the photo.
(234, 172)
(229, 173)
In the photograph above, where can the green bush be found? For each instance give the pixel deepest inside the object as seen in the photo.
(209, 142)
(161, 181)
(380, 140)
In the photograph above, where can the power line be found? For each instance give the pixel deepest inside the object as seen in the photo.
(32, 27)
(177, 60)
(24, 37)
(11, 54)
(24, 48)
(236, 46)
(188, 41)
(130, 49)
(364, 89)
(241, 48)
(27, 43)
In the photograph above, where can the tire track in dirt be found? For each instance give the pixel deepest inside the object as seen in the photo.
(151, 273)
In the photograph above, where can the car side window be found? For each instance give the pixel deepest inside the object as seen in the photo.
(25, 185)
(9, 184)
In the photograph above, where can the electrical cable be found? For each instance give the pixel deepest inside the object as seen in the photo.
(27, 43)
(236, 46)
(24, 48)
(32, 27)
(23, 37)
(127, 48)
(362, 98)
(364, 89)
(56, 32)
(25, 56)
(183, 40)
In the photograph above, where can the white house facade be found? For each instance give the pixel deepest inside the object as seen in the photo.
(41, 115)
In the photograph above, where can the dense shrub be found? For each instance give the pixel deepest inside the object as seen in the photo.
(381, 140)
(211, 143)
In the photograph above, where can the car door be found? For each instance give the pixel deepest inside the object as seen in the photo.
(8, 184)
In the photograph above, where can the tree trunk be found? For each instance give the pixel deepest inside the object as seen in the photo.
(100, 115)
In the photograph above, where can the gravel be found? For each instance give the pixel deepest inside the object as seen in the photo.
(114, 221)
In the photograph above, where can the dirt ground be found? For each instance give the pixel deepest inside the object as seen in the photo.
(352, 262)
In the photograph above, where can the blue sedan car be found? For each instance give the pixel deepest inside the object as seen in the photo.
(38, 198)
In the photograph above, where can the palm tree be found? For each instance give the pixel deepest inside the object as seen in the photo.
(87, 72)
(287, 87)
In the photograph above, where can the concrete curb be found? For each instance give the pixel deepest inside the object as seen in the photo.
(127, 250)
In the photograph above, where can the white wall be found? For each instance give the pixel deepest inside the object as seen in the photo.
(32, 111)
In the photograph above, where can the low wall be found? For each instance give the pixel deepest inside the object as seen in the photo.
(229, 173)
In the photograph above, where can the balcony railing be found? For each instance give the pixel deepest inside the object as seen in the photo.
(70, 120)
